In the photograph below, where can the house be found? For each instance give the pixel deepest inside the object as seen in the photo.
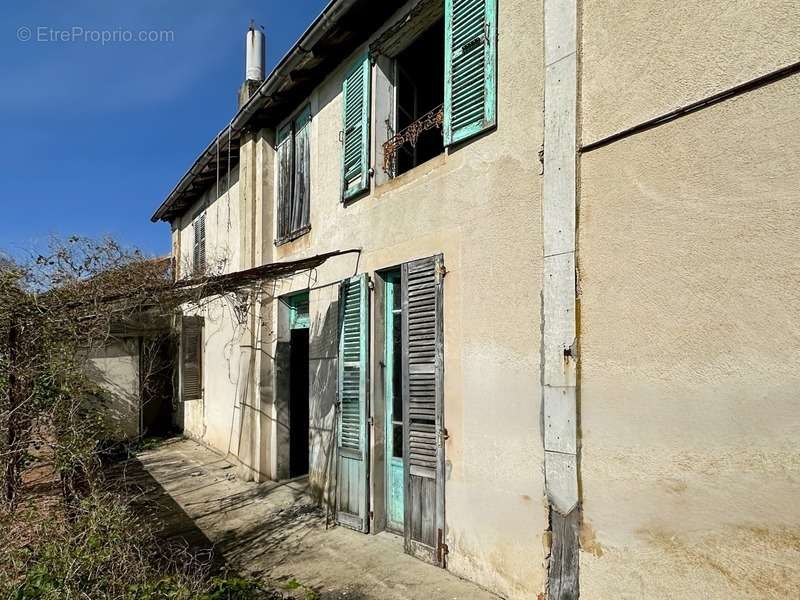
(550, 332)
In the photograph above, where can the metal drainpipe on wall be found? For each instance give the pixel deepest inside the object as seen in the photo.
(559, 327)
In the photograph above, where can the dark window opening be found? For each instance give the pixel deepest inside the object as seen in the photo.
(419, 93)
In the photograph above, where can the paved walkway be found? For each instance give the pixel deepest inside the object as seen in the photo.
(273, 531)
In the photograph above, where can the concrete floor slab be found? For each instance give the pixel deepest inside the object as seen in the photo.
(274, 531)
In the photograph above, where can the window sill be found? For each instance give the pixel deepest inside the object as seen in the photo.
(416, 173)
(292, 236)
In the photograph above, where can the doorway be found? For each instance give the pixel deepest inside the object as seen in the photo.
(298, 385)
(298, 404)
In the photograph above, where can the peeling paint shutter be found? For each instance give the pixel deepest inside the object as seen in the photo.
(470, 98)
(302, 154)
(356, 130)
(423, 368)
(352, 451)
(285, 180)
(199, 248)
(191, 358)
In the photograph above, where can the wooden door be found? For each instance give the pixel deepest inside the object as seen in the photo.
(423, 409)
(352, 457)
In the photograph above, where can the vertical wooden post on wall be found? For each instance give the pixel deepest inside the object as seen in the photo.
(559, 327)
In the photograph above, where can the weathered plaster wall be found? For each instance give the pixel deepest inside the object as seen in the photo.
(481, 207)
(115, 368)
(690, 338)
(215, 419)
(642, 59)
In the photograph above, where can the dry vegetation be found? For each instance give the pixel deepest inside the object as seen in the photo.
(63, 534)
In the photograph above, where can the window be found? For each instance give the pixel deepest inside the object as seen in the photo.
(199, 246)
(294, 158)
(419, 99)
(191, 358)
(298, 311)
(355, 130)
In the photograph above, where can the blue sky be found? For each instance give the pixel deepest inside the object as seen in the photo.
(95, 135)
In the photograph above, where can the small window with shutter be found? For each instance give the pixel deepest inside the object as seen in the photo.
(470, 99)
(294, 180)
(191, 351)
(199, 246)
(355, 134)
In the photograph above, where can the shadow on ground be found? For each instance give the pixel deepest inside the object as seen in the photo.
(274, 531)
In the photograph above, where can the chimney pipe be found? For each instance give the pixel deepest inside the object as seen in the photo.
(254, 66)
(254, 63)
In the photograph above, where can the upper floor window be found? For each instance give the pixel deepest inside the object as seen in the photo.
(436, 81)
(419, 100)
(294, 158)
(199, 246)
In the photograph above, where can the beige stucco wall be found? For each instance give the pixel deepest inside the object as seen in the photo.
(690, 327)
(214, 420)
(642, 59)
(115, 368)
(480, 207)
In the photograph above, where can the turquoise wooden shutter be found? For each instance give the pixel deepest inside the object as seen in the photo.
(353, 447)
(423, 419)
(470, 89)
(355, 130)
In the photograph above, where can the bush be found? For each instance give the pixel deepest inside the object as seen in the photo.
(107, 552)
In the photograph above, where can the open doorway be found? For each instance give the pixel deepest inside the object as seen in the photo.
(419, 93)
(298, 384)
(298, 404)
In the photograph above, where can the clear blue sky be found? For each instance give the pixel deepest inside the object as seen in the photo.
(95, 135)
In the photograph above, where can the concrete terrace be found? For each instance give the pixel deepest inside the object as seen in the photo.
(273, 531)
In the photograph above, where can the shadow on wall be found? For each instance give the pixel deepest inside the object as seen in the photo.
(115, 370)
(323, 366)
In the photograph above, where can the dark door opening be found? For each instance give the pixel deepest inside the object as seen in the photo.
(298, 404)
(156, 379)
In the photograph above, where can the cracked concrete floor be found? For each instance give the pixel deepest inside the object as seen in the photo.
(273, 531)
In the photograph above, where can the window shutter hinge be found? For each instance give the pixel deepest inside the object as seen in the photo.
(371, 421)
(440, 271)
(442, 437)
(441, 547)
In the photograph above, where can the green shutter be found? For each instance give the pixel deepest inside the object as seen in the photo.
(355, 130)
(470, 97)
(352, 448)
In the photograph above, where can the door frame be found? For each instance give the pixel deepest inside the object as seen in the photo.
(390, 278)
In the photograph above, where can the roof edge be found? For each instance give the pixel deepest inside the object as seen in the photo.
(329, 16)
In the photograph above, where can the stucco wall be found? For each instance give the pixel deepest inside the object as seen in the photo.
(642, 59)
(214, 420)
(690, 341)
(115, 368)
(479, 206)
